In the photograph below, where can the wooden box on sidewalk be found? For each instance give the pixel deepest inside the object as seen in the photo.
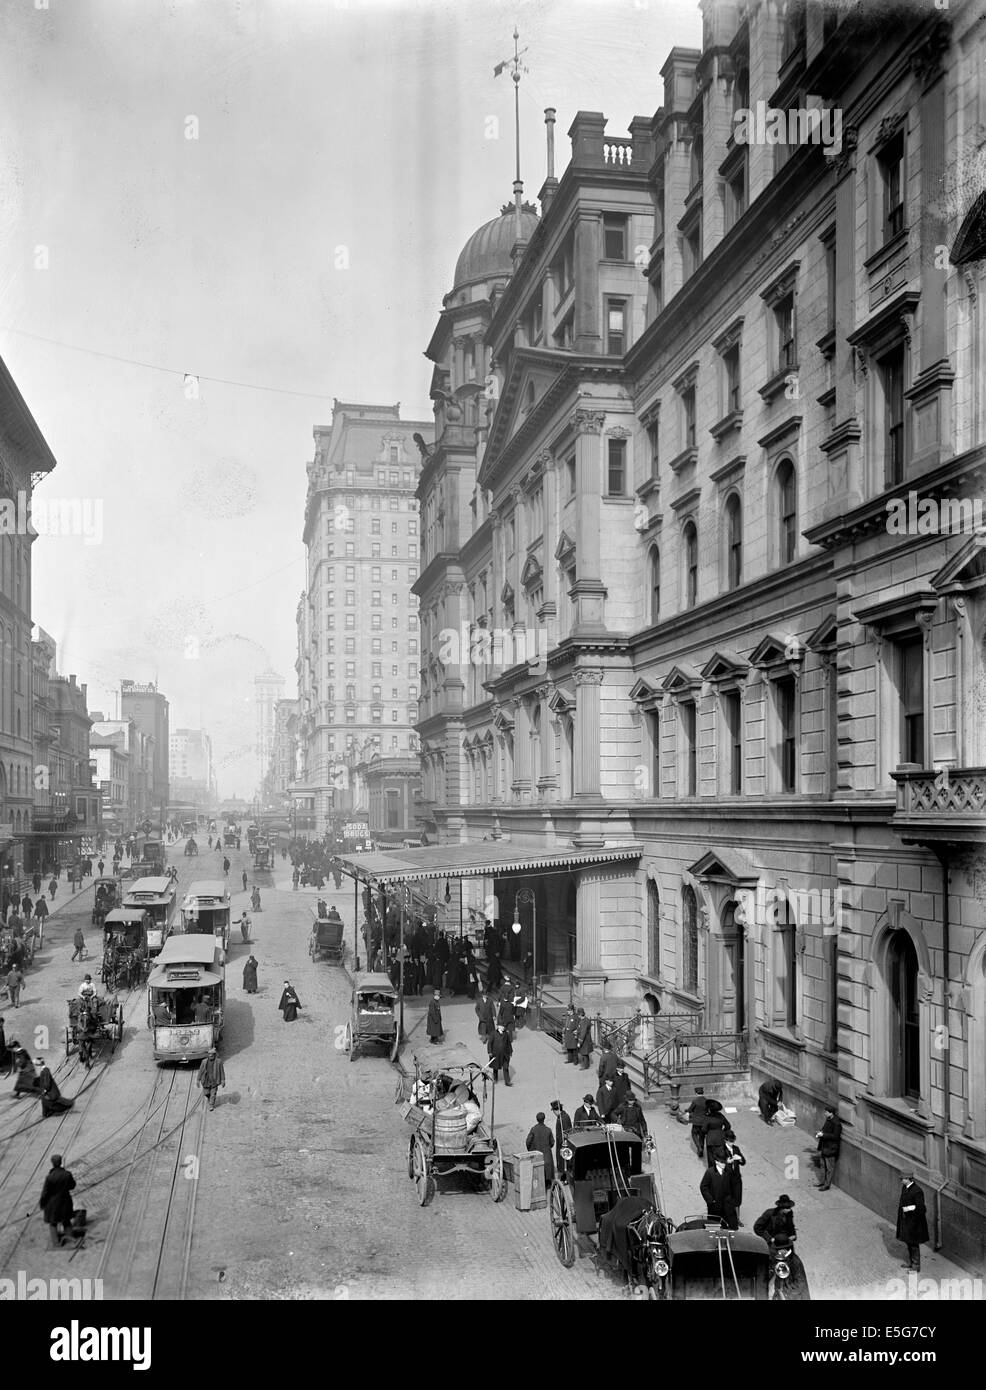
(529, 1188)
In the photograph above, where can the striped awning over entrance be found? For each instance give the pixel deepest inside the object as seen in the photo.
(484, 860)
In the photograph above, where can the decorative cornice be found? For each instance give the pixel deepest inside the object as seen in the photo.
(588, 421)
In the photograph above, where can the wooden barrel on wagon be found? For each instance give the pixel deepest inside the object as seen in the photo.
(451, 1134)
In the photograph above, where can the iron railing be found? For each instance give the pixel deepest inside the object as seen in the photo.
(685, 1053)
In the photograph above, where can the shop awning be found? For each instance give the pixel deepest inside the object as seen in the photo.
(484, 860)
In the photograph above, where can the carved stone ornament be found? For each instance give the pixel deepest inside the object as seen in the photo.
(843, 160)
(589, 421)
(887, 127)
(618, 432)
(585, 677)
(926, 60)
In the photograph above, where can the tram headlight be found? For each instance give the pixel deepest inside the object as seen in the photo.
(568, 1155)
(662, 1269)
(782, 1270)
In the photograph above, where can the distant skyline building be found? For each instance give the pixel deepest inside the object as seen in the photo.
(268, 688)
(191, 767)
(148, 709)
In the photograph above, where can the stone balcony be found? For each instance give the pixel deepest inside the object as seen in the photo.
(946, 806)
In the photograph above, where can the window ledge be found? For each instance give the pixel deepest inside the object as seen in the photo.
(826, 344)
(775, 385)
(783, 1037)
(903, 1112)
(875, 263)
(686, 459)
(725, 426)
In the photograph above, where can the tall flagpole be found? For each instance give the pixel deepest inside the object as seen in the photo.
(516, 68)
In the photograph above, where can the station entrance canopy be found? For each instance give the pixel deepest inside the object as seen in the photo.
(488, 859)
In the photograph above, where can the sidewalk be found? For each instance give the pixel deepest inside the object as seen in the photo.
(849, 1251)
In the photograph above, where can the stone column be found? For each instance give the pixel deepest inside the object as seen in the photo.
(589, 594)
(587, 751)
(550, 541)
(843, 447)
(588, 254)
(588, 903)
(521, 785)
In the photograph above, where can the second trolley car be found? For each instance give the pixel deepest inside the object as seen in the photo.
(186, 998)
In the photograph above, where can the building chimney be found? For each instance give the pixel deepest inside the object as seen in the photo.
(549, 122)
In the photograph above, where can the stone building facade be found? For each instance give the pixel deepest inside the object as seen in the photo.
(748, 533)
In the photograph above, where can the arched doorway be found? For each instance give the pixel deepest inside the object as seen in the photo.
(732, 1000)
(650, 1007)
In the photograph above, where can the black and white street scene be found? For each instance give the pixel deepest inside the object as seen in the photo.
(493, 652)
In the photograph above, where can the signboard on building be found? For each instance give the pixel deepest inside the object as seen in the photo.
(356, 830)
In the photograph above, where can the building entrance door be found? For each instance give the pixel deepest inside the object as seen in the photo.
(732, 994)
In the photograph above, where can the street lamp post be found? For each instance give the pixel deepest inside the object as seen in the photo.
(526, 895)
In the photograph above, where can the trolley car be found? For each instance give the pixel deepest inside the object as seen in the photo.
(374, 1017)
(186, 998)
(156, 897)
(206, 910)
(451, 1131)
(326, 942)
(602, 1166)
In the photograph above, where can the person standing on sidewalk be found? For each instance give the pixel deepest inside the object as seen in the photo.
(912, 1220)
(563, 1126)
(250, 974)
(608, 1062)
(434, 1021)
(15, 983)
(100, 866)
(698, 1114)
(829, 1143)
(500, 1051)
(53, 888)
(79, 942)
(36, 881)
(212, 1075)
(225, 866)
(539, 1141)
(583, 1040)
(484, 1012)
(27, 907)
(41, 910)
(569, 1036)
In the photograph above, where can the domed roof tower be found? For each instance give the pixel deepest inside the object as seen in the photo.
(487, 252)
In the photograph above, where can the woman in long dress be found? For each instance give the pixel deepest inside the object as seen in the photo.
(250, 975)
(52, 1100)
(27, 1077)
(290, 1003)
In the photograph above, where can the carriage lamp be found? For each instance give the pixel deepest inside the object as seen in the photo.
(662, 1269)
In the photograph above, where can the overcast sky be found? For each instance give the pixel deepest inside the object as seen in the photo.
(300, 243)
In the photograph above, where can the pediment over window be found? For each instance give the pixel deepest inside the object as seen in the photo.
(826, 634)
(729, 866)
(565, 550)
(970, 244)
(777, 648)
(643, 693)
(562, 700)
(899, 613)
(532, 574)
(966, 569)
(503, 721)
(723, 665)
(682, 679)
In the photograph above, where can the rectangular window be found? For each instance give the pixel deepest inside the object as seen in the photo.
(412, 527)
(891, 162)
(910, 657)
(614, 236)
(732, 716)
(376, 646)
(350, 645)
(350, 573)
(689, 737)
(374, 526)
(892, 376)
(350, 619)
(350, 598)
(654, 441)
(376, 622)
(394, 504)
(787, 734)
(376, 669)
(736, 198)
(394, 454)
(616, 327)
(570, 469)
(406, 477)
(787, 353)
(830, 282)
(688, 418)
(616, 461)
(375, 599)
(731, 379)
(350, 550)
(692, 252)
(375, 574)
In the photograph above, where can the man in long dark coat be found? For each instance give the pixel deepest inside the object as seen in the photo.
(795, 1286)
(569, 1036)
(629, 1114)
(583, 1038)
(539, 1141)
(289, 1002)
(606, 1101)
(716, 1188)
(250, 974)
(715, 1130)
(494, 972)
(608, 1064)
(434, 1021)
(563, 1125)
(56, 1199)
(829, 1143)
(212, 1075)
(588, 1112)
(912, 1220)
(500, 1051)
(506, 1014)
(777, 1222)
(484, 1012)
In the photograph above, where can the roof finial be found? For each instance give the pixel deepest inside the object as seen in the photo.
(516, 68)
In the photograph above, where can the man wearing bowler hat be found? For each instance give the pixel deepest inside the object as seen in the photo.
(912, 1220)
(777, 1222)
(829, 1143)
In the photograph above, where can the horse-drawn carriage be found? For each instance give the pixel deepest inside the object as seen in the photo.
(125, 952)
(263, 857)
(451, 1131)
(191, 848)
(602, 1169)
(17, 950)
(92, 1020)
(326, 942)
(709, 1261)
(107, 897)
(374, 1017)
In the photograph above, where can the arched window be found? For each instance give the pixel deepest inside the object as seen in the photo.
(786, 965)
(689, 541)
(654, 570)
(734, 541)
(689, 940)
(905, 1049)
(653, 962)
(786, 490)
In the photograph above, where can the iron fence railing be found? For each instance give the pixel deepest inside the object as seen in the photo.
(685, 1053)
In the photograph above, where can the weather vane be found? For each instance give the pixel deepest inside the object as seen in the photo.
(516, 68)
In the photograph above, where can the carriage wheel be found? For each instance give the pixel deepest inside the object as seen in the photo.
(421, 1171)
(395, 1046)
(68, 1042)
(562, 1224)
(311, 949)
(494, 1171)
(410, 1157)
